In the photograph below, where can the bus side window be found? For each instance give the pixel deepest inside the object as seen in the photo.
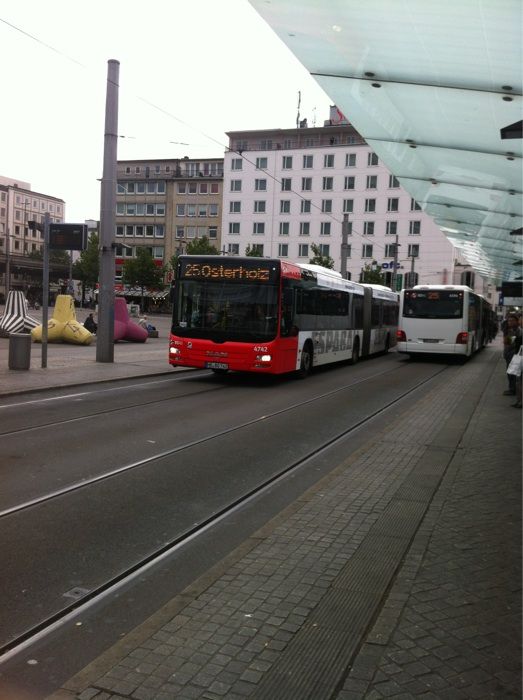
(287, 311)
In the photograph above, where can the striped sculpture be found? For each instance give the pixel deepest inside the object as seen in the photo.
(63, 327)
(16, 318)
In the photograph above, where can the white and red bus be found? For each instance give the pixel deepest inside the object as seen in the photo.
(272, 316)
(443, 319)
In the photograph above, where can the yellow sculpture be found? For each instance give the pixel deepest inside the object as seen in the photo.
(63, 327)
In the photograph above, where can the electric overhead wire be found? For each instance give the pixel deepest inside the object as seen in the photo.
(152, 105)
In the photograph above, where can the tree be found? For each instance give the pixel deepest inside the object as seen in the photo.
(142, 272)
(87, 267)
(319, 259)
(253, 252)
(201, 246)
(371, 274)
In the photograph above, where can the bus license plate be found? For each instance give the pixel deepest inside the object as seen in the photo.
(216, 365)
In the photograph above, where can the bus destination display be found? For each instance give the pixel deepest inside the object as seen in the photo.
(228, 271)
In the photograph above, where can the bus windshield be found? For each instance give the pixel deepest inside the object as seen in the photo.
(223, 311)
(441, 303)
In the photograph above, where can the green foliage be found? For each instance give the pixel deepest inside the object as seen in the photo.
(142, 271)
(371, 274)
(201, 246)
(87, 267)
(56, 257)
(319, 259)
(253, 252)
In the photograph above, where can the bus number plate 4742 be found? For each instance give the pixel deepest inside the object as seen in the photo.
(216, 365)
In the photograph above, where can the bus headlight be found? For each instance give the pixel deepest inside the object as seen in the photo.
(263, 358)
(174, 351)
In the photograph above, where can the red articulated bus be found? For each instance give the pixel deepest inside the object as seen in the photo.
(272, 316)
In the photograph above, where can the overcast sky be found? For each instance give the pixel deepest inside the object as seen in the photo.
(189, 72)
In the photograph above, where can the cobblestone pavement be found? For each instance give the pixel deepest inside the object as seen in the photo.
(398, 575)
(451, 627)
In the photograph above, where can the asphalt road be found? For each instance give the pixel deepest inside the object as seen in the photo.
(96, 480)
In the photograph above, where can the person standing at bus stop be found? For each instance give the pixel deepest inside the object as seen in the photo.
(511, 345)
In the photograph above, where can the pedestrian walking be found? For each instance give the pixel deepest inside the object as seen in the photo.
(511, 345)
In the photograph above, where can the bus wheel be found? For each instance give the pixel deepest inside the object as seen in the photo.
(220, 371)
(355, 352)
(306, 361)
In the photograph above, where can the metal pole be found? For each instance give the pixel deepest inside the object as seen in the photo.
(344, 238)
(395, 270)
(105, 334)
(7, 249)
(45, 288)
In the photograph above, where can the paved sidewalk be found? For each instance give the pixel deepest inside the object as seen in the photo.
(398, 575)
(71, 365)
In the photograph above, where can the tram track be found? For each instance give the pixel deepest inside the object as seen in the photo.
(84, 483)
(23, 639)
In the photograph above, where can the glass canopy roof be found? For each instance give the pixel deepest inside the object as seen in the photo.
(429, 84)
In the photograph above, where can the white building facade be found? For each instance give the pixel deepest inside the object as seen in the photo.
(286, 189)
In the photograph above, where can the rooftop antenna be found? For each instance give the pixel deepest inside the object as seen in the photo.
(298, 115)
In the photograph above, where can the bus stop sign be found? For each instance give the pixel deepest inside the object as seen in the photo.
(67, 236)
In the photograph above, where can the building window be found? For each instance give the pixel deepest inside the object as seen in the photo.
(286, 184)
(391, 228)
(215, 188)
(372, 182)
(284, 228)
(305, 228)
(328, 183)
(411, 279)
(372, 159)
(307, 161)
(348, 248)
(258, 228)
(236, 186)
(234, 227)
(349, 183)
(119, 230)
(180, 232)
(261, 163)
(350, 160)
(260, 185)
(303, 250)
(306, 184)
(283, 250)
(236, 164)
(259, 206)
(324, 249)
(414, 228)
(235, 207)
(305, 206)
(204, 188)
(213, 232)
(325, 228)
(257, 248)
(390, 250)
(393, 204)
(393, 182)
(213, 210)
(366, 251)
(285, 206)
(348, 206)
(328, 160)
(467, 278)
(368, 228)
(286, 163)
(413, 250)
(202, 210)
(326, 206)
(414, 206)
(191, 210)
(233, 248)
(370, 205)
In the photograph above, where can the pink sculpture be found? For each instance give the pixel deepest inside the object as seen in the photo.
(124, 328)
